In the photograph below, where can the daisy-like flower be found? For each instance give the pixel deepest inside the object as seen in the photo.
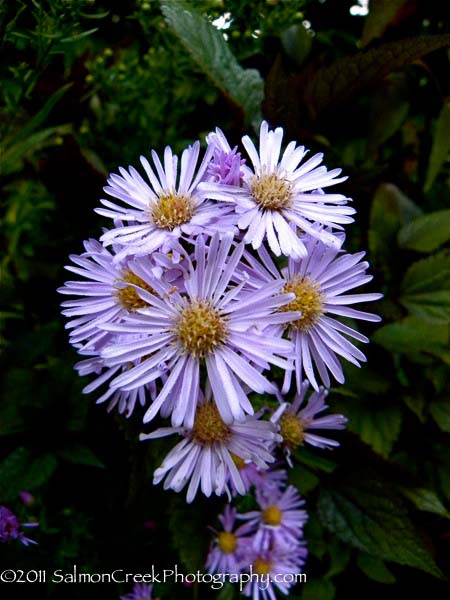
(214, 324)
(298, 421)
(204, 456)
(159, 213)
(278, 568)
(278, 192)
(263, 480)
(319, 283)
(225, 554)
(141, 591)
(226, 164)
(108, 290)
(10, 527)
(280, 520)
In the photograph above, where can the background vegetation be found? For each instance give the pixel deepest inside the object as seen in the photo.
(87, 86)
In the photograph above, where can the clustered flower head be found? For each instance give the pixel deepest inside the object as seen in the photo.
(217, 272)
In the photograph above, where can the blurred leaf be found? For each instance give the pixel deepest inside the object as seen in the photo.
(296, 43)
(381, 14)
(412, 335)
(441, 146)
(213, 55)
(440, 411)
(303, 479)
(348, 76)
(20, 471)
(374, 568)
(339, 557)
(427, 232)
(314, 460)
(318, 589)
(377, 426)
(371, 518)
(227, 592)
(426, 288)
(425, 499)
(80, 455)
(186, 527)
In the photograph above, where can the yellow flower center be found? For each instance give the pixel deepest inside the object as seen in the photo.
(291, 429)
(209, 427)
(127, 296)
(227, 542)
(271, 192)
(262, 567)
(308, 300)
(172, 209)
(200, 328)
(272, 515)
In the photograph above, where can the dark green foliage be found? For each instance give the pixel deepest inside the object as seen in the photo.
(88, 86)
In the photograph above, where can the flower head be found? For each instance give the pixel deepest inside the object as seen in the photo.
(141, 591)
(226, 164)
(10, 527)
(277, 193)
(205, 455)
(225, 554)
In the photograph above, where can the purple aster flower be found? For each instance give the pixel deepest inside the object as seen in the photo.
(278, 192)
(263, 480)
(159, 213)
(298, 420)
(319, 283)
(141, 591)
(205, 455)
(10, 527)
(280, 520)
(275, 568)
(214, 324)
(225, 554)
(226, 164)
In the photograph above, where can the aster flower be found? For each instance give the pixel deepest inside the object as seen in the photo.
(10, 527)
(225, 554)
(226, 163)
(278, 192)
(212, 323)
(108, 290)
(319, 283)
(280, 520)
(263, 480)
(276, 569)
(159, 213)
(141, 591)
(205, 455)
(298, 420)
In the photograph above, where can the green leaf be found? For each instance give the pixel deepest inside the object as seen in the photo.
(19, 471)
(370, 517)
(350, 75)
(426, 500)
(441, 145)
(211, 52)
(339, 557)
(412, 336)
(314, 460)
(296, 43)
(186, 527)
(374, 568)
(425, 289)
(378, 426)
(319, 589)
(427, 232)
(382, 13)
(440, 411)
(80, 455)
(303, 479)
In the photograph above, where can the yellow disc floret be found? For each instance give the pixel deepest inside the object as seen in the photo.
(270, 191)
(127, 296)
(209, 427)
(172, 210)
(227, 542)
(200, 328)
(308, 300)
(272, 515)
(262, 567)
(291, 430)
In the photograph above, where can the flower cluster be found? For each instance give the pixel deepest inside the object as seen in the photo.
(10, 527)
(217, 269)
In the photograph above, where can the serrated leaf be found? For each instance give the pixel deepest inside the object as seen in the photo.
(319, 589)
(379, 427)
(381, 14)
(412, 336)
(350, 75)
(374, 568)
(425, 289)
(427, 232)
(440, 411)
(441, 145)
(372, 518)
(425, 499)
(211, 52)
